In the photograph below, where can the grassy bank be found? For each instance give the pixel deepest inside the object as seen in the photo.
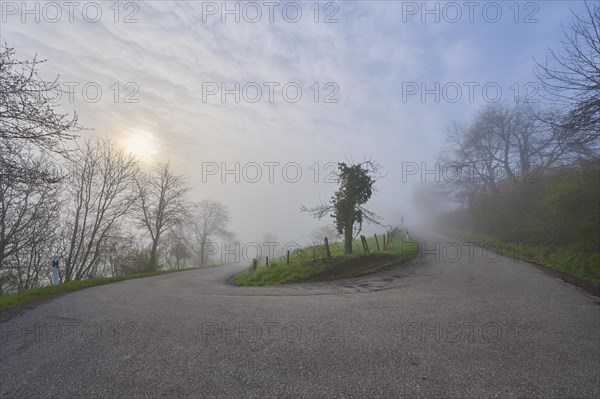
(310, 263)
(582, 265)
(11, 301)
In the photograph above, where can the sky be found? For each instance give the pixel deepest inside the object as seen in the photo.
(255, 102)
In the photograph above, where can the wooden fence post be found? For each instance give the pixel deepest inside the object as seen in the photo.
(365, 245)
(384, 243)
(254, 264)
(288, 256)
(377, 242)
(267, 259)
(328, 252)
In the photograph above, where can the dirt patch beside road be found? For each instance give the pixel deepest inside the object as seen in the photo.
(356, 267)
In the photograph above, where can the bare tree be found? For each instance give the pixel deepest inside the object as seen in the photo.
(162, 205)
(99, 193)
(501, 144)
(571, 79)
(178, 246)
(118, 250)
(28, 216)
(28, 117)
(211, 219)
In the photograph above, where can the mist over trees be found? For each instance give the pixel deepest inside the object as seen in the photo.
(162, 200)
(97, 196)
(85, 200)
(523, 172)
(329, 231)
(527, 172)
(516, 179)
(212, 218)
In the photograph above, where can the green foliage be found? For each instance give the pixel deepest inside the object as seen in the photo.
(137, 262)
(346, 205)
(568, 212)
(557, 207)
(356, 188)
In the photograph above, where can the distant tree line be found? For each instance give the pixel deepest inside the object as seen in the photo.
(86, 200)
(530, 172)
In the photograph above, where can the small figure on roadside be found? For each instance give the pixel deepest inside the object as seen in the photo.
(55, 276)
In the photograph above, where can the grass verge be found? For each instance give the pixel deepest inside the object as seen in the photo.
(580, 264)
(311, 264)
(24, 297)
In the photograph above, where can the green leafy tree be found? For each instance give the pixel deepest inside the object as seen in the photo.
(356, 183)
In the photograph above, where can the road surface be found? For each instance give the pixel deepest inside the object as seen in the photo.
(450, 323)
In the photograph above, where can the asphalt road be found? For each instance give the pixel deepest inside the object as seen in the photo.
(449, 323)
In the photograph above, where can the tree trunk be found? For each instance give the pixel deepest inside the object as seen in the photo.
(153, 266)
(348, 239)
(202, 248)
